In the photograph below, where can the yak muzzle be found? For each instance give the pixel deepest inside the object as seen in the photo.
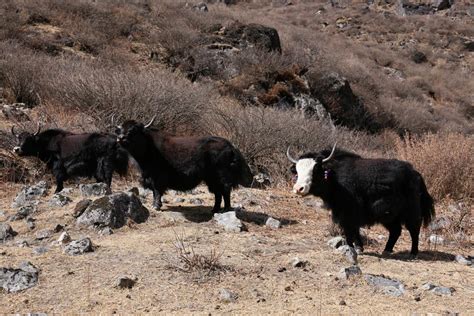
(301, 189)
(17, 150)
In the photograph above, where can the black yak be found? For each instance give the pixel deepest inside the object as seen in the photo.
(68, 155)
(181, 163)
(363, 192)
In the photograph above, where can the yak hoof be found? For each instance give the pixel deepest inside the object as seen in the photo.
(386, 253)
(412, 256)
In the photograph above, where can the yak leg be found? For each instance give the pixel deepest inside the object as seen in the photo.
(358, 242)
(60, 174)
(217, 203)
(226, 195)
(351, 234)
(395, 229)
(414, 230)
(157, 193)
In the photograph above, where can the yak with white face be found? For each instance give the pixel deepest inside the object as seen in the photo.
(363, 192)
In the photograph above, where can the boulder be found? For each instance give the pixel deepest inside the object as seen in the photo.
(273, 223)
(79, 247)
(438, 290)
(23, 212)
(229, 221)
(6, 232)
(94, 189)
(30, 194)
(80, 207)
(349, 252)
(15, 280)
(385, 285)
(59, 200)
(336, 242)
(113, 211)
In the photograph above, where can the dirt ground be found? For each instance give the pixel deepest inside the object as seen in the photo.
(254, 264)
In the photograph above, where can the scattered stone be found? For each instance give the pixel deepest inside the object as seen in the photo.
(342, 303)
(64, 238)
(385, 285)
(78, 247)
(351, 271)
(298, 263)
(438, 290)
(6, 232)
(40, 250)
(15, 280)
(229, 221)
(29, 194)
(439, 223)
(125, 282)
(94, 189)
(196, 201)
(261, 181)
(201, 7)
(462, 260)
(30, 223)
(23, 212)
(106, 231)
(179, 200)
(226, 296)
(80, 207)
(113, 211)
(273, 223)
(349, 252)
(22, 243)
(59, 200)
(67, 191)
(43, 234)
(436, 240)
(336, 242)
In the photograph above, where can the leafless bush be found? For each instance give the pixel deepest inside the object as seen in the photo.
(445, 161)
(188, 261)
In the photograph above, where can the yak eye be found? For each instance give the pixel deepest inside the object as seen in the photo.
(293, 169)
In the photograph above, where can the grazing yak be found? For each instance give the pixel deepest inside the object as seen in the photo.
(68, 154)
(363, 192)
(181, 163)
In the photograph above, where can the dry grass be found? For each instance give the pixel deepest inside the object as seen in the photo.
(445, 161)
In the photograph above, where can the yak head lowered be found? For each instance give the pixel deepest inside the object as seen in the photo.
(27, 143)
(309, 170)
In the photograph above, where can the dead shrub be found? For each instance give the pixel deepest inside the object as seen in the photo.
(445, 161)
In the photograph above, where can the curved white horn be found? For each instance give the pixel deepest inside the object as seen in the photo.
(151, 122)
(13, 131)
(293, 160)
(112, 119)
(38, 130)
(331, 154)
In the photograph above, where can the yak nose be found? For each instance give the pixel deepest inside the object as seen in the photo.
(299, 189)
(120, 138)
(16, 149)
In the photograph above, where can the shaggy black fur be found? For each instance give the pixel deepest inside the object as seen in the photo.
(362, 192)
(181, 163)
(68, 154)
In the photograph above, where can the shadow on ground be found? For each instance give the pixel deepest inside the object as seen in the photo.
(199, 214)
(430, 255)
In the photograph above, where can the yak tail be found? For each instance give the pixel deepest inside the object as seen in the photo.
(427, 203)
(242, 169)
(121, 162)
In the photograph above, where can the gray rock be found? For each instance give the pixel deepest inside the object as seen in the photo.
(349, 272)
(30, 223)
(59, 200)
(6, 232)
(298, 263)
(462, 260)
(106, 231)
(385, 285)
(22, 243)
(179, 200)
(43, 234)
(261, 180)
(80, 207)
(227, 296)
(336, 242)
(67, 191)
(273, 223)
(40, 250)
(436, 240)
(349, 252)
(196, 201)
(439, 223)
(229, 221)
(113, 211)
(64, 238)
(93, 189)
(125, 282)
(23, 212)
(30, 194)
(438, 290)
(15, 280)
(79, 247)
(12, 112)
